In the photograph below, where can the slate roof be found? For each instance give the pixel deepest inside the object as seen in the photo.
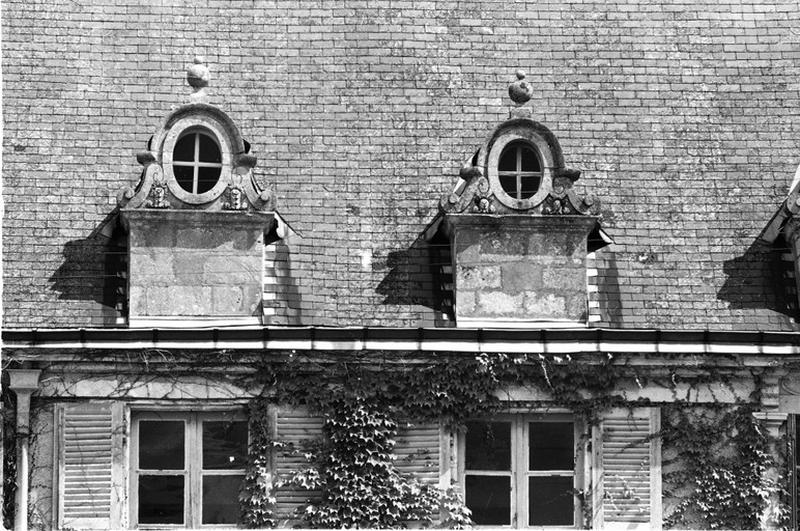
(682, 117)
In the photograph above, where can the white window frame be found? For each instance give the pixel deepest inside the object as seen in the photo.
(193, 465)
(520, 455)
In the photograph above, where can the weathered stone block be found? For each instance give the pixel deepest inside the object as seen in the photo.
(502, 242)
(564, 277)
(469, 254)
(478, 277)
(227, 300)
(520, 276)
(138, 300)
(577, 306)
(541, 306)
(212, 267)
(187, 267)
(152, 265)
(561, 244)
(466, 301)
(178, 301)
(498, 303)
(541, 264)
(153, 235)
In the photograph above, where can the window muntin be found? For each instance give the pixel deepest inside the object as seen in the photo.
(521, 471)
(187, 469)
(196, 161)
(519, 170)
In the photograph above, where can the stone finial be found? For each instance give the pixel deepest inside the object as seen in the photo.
(520, 91)
(197, 74)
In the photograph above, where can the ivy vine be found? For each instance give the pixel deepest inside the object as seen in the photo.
(719, 462)
(719, 469)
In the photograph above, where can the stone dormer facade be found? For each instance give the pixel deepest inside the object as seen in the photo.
(197, 221)
(518, 231)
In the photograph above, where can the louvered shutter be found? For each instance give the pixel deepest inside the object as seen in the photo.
(628, 470)
(417, 452)
(293, 427)
(88, 435)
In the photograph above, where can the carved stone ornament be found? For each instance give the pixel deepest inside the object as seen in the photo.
(520, 91)
(236, 199)
(479, 190)
(158, 197)
(197, 75)
(160, 187)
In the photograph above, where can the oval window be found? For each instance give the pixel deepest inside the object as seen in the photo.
(519, 170)
(196, 162)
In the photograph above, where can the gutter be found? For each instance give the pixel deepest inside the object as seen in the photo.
(466, 340)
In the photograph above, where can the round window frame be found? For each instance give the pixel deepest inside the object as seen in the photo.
(541, 150)
(211, 128)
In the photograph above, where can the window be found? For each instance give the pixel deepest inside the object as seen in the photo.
(519, 170)
(520, 471)
(187, 469)
(196, 162)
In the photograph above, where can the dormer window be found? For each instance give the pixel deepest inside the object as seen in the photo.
(197, 162)
(519, 234)
(197, 223)
(519, 170)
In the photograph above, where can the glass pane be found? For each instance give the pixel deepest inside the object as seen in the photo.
(209, 151)
(489, 499)
(508, 160)
(509, 184)
(529, 186)
(207, 178)
(224, 445)
(221, 499)
(161, 444)
(488, 446)
(184, 149)
(185, 176)
(552, 446)
(530, 162)
(551, 501)
(161, 499)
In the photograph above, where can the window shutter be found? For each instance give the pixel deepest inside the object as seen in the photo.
(86, 456)
(628, 470)
(294, 427)
(417, 452)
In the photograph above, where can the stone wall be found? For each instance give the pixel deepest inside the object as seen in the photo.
(514, 270)
(206, 265)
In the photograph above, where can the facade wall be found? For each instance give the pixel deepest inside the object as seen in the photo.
(84, 443)
(681, 115)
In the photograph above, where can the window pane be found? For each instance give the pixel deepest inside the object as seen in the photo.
(161, 499)
(221, 499)
(551, 501)
(489, 499)
(185, 176)
(509, 184)
(528, 186)
(488, 446)
(552, 446)
(184, 149)
(508, 160)
(530, 162)
(209, 151)
(224, 445)
(161, 444)
(207, 178)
